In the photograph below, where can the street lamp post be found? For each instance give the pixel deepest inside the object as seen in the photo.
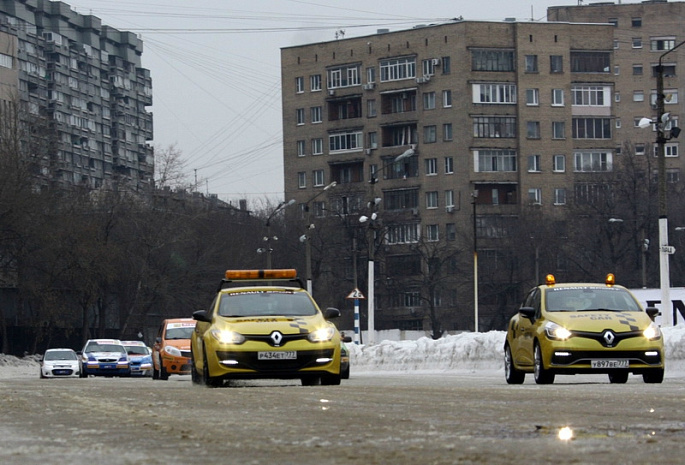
(268, 237)
(474, 194)
(664, 249)
(306, 238)
(373, 215)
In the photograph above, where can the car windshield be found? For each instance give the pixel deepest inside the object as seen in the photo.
(590, 298)
(136, 350)
(179, 332)
(60, 355)
(266, 303)
(103, 347)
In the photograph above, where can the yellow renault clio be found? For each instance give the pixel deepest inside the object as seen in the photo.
(583, 328)
(264, 324)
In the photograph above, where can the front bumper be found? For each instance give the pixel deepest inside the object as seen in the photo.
(176, 365)
(106, 369)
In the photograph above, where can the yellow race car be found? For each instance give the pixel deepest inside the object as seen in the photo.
(574, 328)
(264, 324)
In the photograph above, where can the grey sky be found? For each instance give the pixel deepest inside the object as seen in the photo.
(215, 67)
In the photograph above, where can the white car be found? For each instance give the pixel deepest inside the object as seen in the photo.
(60, 363)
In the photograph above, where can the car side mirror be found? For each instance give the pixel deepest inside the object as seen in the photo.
(331, 312)
(158, 340)
(346, 339)
(527, 312)
(652, 312)
(201, 315)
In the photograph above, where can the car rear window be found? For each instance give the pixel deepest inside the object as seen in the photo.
(266, 303)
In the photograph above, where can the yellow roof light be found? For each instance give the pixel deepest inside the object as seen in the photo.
(549, 280)
(611, 280)
(261, 274)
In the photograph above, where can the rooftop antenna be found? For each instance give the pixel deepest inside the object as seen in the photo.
(340, 34)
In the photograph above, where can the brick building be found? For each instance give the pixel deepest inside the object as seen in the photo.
(85, 79)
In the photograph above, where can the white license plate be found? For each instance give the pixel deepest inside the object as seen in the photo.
(279, 355)
(610, 364)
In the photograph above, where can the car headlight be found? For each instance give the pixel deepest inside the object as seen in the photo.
(173, 351)
(652, 332)
(321, 334)
(556, 332)
(227, 337)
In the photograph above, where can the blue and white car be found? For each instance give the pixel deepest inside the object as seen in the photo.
(140, 357)
(60, 363)
(104, 357)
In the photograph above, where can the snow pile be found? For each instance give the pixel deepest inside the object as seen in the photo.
(463, 351)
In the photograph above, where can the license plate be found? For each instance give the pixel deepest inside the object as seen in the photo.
(610, 364)
(280, 355)
(108, 367)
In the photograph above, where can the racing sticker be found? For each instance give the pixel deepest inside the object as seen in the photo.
(300, 325)
(627, 319)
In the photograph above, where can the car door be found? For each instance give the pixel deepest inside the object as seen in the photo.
(524, 331)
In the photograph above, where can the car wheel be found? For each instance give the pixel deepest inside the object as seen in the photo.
(42, 376)
(618, 377)
(163, 375)
(511, 374)
(330, 380)
(207, 380)
(194, 375)
(654, 376)
(542, 376)
(155, 372)
(310, 381)
(345, 374)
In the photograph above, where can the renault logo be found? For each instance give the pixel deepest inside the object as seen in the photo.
(609, 338)
(276, 337)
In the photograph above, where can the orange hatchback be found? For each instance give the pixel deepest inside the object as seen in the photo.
(171, 351)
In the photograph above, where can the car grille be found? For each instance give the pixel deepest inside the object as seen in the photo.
(248, 360)
(584, 357)
(62, 372)
(108, 360)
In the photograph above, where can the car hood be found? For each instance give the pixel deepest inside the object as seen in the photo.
(267, 324)
(105, 354)
(140, 358)
(601, 320)
(180, 344)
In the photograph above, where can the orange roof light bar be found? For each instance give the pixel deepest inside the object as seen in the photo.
(610, 280)
(550, 280)
(289, 273)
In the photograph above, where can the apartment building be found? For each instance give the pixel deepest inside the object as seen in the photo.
(643, 32)
(520, 112)
(85, 79)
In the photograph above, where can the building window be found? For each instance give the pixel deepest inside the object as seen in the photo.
(432, 233)
(371, 108)
(559, 163)
(345, 141)
(639, 149)
(558, 129)
(429, 100)
(618, 123)
(533, 129)
(556, 64)
(301, 152)
(318, 178)
(373, 140)
(302, 180)
(446, 65)
(395, 69)
(6, 61)
(534, 164)
(299, 116)
(449, 165)
(446, 98)
(317, 146)
(343, 76)
(559, 196)
(535, 196)
(671, 149)
(670, 97)
(407, 233)
(451, 231)
(494, 93)
(617, 97)
(495, 160)
(590, 96)
(638, 96)
(591, 128)
(637, 42)
(636, 22)
(660, 44)
(558, 97)
(668, 70)
(494, 127)
(531, 63)
(637, 70)
(315, 82)
(449, 198)
(672, 175)
(402, 199)
(429, 134)
(428, 67)
(532, 97)
(370, 74)
(492, 60)
(432, 199)
(447, 132)
(299, 84)
(590, 62)
(431, 166)
(588, 162)
(316, 114)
